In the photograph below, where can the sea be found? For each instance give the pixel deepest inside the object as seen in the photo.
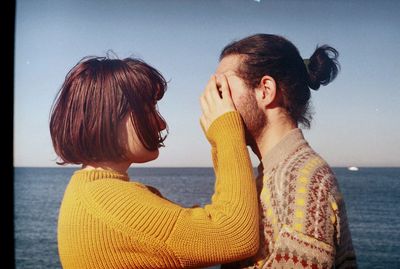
(372, 197)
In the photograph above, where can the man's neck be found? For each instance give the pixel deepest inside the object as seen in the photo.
(273, 134)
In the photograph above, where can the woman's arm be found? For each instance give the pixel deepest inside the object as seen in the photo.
(227, 229)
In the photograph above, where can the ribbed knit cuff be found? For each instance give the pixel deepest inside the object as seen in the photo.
(227, 127)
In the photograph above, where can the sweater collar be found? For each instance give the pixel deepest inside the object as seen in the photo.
(286, 146)
(96, 174)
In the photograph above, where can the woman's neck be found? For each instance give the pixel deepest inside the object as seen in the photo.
(118, 167)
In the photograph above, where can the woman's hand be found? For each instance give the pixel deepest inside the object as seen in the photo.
(215, 100)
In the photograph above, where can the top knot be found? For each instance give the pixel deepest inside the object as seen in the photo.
(322, 67)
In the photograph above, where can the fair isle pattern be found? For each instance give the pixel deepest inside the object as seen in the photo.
(320, 214)
(345, 255)
(304, 218)
(304, 194)
(296, 250)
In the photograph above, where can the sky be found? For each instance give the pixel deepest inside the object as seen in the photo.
(356, 117)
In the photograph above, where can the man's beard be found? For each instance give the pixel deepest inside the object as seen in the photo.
(254, 119)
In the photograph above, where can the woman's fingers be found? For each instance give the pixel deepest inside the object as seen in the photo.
(203, 122)
(224, 89)
(211, 91)
(204, 105)
(213, 103)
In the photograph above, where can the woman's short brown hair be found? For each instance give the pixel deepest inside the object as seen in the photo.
(96, 96)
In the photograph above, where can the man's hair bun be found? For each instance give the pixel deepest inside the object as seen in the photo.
(322, 66)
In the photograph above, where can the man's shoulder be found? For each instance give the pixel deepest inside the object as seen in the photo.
(306, 158)
(306, 165)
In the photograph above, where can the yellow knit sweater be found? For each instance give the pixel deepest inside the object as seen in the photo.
(107, 221)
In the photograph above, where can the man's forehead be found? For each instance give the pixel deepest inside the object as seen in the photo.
(228, 65)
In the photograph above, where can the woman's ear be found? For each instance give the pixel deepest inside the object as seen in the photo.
(266, 92)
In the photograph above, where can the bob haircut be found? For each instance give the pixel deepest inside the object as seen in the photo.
(96, 97)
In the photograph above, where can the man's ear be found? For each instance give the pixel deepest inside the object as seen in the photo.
(266, 92)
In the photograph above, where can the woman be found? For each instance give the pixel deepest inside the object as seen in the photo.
(105, 119)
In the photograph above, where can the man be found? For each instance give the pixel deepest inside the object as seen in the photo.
(303, 218)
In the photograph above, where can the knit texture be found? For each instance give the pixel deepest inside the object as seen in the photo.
(107, 221)
(303, 217)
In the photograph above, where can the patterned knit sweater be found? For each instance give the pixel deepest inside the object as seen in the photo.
(106, 221)
(303, 217)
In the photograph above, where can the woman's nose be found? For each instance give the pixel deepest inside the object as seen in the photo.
(161, 123)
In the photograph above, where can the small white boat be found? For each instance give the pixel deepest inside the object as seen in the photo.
(353, 168)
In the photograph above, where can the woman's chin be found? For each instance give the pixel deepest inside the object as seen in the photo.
(148, 157)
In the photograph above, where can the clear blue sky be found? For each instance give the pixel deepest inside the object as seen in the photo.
(356, 119)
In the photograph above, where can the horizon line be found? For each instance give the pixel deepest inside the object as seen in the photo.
(333, 166)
